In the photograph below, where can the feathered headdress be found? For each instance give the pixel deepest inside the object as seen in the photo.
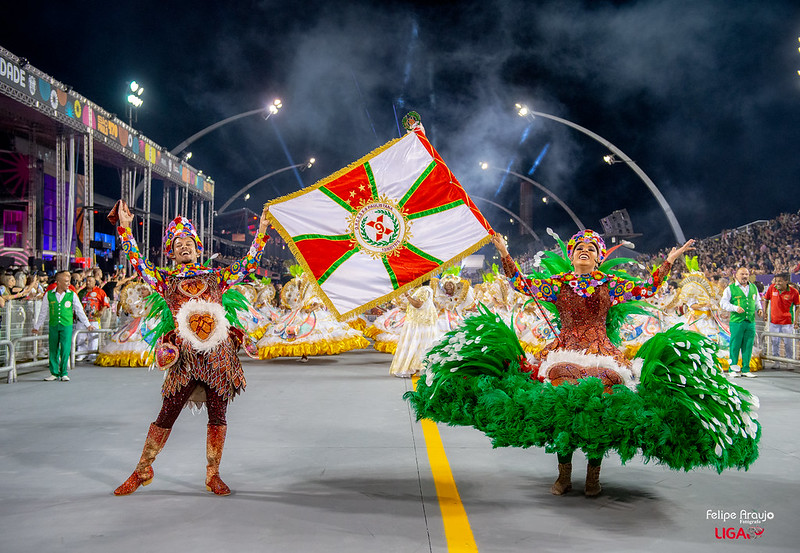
(180, 226)
(589, 237)
(692, 264)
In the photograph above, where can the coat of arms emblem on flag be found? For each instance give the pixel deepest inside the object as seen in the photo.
(381, 225)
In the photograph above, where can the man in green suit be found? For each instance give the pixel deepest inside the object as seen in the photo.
(742, 300)
(59, 305)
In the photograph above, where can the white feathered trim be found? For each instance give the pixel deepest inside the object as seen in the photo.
(591, 360)
(636, 368)
(193, 307)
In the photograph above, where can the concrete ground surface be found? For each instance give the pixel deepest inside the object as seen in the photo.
(326, 456)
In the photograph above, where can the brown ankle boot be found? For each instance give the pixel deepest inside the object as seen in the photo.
(215, 442)
(592, 487)
(564, 482)
(143, 473)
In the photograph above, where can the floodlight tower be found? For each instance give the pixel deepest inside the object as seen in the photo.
(134, 101)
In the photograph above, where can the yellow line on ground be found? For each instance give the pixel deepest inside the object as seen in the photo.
(454, 517)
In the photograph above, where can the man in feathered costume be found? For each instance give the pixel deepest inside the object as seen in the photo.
(198, 338)
(672, 402)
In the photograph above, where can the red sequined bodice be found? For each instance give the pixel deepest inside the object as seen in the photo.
(179, 290)
(218, 367)
(583, 324)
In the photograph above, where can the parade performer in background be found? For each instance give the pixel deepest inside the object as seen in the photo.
(533, 326)
(198, 347)
(251, 319)
(385, 329)
(127, 346)
(453, 297)
(308, 328)
(696, 300)
(358, 322)
(264, 303)
(418, 334)
(496, 293)
(62, 304)
(672, 403)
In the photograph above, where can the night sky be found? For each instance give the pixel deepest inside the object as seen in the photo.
(704, 95)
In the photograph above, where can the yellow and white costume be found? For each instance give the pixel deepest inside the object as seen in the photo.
(418, 334)
(126, 347)
(454, 298)
(385, 330)
(308, 328)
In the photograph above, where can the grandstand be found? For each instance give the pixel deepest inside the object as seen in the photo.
(52, 142)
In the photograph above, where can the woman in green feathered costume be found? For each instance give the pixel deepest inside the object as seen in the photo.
(672, 402)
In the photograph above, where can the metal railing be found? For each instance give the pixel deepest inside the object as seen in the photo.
(19, 349)
(89, 332)
(769, 355)
(36, 362)
(16, 321)
(12, 365)
(9, 367)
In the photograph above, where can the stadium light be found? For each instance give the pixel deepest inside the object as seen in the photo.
(135, 97)
(265, 112)
(134, 100)
(272, 109)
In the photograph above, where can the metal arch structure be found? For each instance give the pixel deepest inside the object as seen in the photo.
(549, 192)
(180, 147)
(512, 214)
(662, 202)
(248, 186)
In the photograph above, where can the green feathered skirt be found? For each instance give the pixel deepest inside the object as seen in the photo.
(684, 412)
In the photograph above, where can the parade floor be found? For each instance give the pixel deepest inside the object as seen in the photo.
(326, 456)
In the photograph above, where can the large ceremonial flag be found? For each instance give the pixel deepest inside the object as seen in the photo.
(381, 225)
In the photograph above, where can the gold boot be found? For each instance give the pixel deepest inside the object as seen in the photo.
(564, 482)
(215, 442)
(143, 473)
(592, 487)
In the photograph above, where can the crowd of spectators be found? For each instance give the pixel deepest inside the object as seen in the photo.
(22, 283)
(764, 247)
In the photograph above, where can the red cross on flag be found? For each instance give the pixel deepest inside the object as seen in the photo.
(381, 225)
